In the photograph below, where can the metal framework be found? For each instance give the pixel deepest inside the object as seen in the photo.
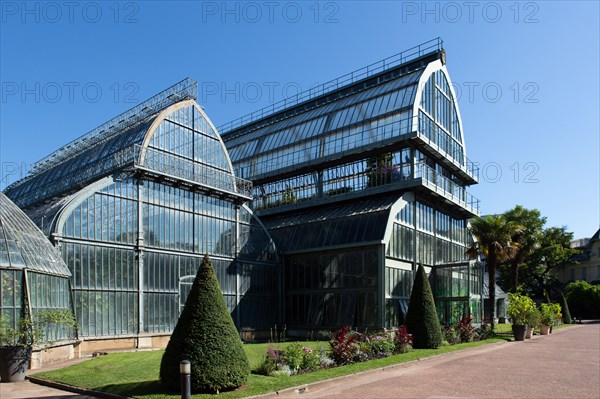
(128, 159)
(186, 89)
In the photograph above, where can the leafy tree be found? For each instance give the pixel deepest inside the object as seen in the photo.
(493, 239)
(206, 336)
(422, 320)
(527, 238)
(584, 299)
(554, 250)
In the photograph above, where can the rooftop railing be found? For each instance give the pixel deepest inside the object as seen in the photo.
(150, 160)
(186, 89)
(347, 79)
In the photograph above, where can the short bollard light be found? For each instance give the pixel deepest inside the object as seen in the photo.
(185, 369)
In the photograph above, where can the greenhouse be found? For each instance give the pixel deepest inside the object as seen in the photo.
(33, 276)
(358, 181)
(315, 212)
(133, 206)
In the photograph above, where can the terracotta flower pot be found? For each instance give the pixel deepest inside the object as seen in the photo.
(544, 330)
(529, 332)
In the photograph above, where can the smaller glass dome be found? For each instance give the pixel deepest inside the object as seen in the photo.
(24, 246)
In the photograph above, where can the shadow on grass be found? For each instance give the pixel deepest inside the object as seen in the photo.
(507, 336)
(143, 388)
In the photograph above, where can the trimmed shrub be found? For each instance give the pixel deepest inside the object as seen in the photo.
(422, 320)
(206, 336)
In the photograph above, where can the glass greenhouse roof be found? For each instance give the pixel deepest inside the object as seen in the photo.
(393, 95)
(355, 223)
(23, 245)
(143, 139)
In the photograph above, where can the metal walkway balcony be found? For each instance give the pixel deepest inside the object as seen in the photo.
(153, 162)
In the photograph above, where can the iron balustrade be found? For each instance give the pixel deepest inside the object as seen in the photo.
(447, 188)
(132, 157)
(354, 177)
(177, 167)
(350, 78)
(56, 185)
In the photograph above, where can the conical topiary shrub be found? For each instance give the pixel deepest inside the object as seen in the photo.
(422, 320)
(206, 336)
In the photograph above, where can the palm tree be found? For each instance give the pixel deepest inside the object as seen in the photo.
(527, 237)
(493, 239)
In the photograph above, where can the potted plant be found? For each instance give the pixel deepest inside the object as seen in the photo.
(16, 344)
(551, 315)
(519, 310)
(533, 322)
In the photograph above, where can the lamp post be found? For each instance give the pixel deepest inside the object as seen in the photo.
(185, 369)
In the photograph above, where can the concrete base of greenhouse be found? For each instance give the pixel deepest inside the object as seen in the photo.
(58, 353)
(68, 350)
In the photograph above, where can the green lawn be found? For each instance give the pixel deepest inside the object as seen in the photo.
(136, 373)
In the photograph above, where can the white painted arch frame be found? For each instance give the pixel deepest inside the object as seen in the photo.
(168, 111)
(429, 70)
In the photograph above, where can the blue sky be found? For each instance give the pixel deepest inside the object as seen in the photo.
(527, 75)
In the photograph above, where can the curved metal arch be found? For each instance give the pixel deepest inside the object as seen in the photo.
(260, 223)
(406, 199)
(76, 199)
(168, 111)
(429, 70)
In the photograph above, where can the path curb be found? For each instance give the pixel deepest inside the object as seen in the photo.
(70, 388)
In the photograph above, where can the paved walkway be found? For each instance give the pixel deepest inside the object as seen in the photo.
(29, 390)
(563, 365)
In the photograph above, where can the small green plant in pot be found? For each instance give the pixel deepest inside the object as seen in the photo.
(17, 342)
(533, 321)
(520, 308)
(550, 315)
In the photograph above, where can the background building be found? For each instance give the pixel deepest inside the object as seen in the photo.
(586, 265)
(358, 181)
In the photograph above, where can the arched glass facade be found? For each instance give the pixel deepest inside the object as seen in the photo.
(152, 198)
(130, 244)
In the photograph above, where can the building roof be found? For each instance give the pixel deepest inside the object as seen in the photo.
(353, 223)
(146, 139)
(23, 245)
(102, 151)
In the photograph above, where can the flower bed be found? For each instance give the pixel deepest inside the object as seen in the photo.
(346, 346)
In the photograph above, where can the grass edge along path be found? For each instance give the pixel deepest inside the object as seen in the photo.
(135, 374)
